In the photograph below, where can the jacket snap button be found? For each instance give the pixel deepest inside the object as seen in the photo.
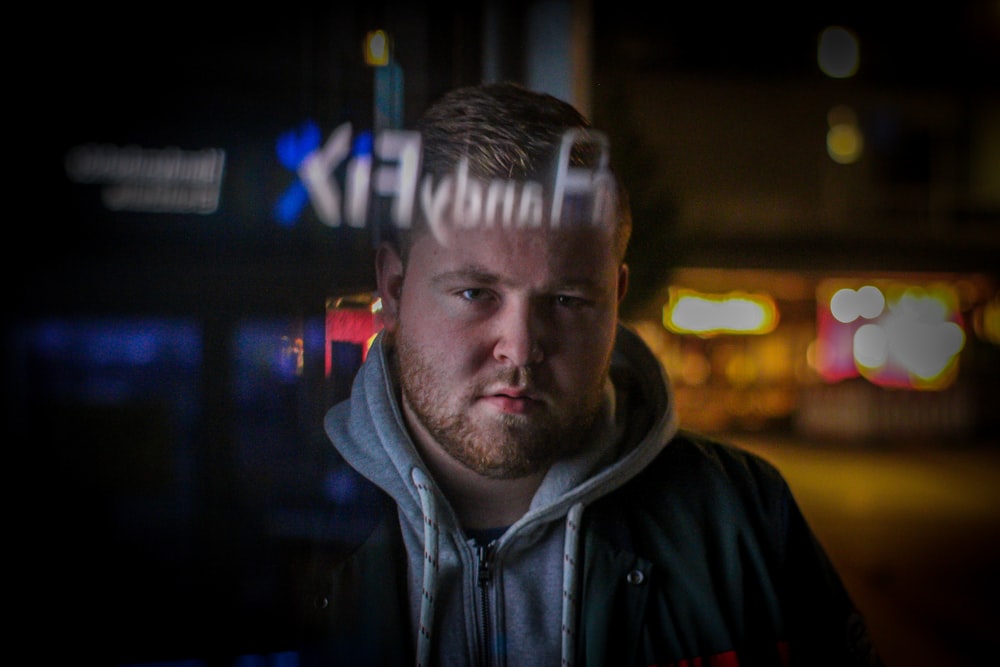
(635, 577)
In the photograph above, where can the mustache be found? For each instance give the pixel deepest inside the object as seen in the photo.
(518, 376)
(521, 377)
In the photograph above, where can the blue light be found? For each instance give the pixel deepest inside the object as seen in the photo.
(291, 203)
(292, 148)
(363, 144)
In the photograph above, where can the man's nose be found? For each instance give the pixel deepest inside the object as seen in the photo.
(518, 334)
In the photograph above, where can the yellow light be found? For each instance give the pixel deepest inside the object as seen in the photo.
(377, 48)
(692, 312)
(844, 140)
(844, 143)
(986, 321)
(370, 342)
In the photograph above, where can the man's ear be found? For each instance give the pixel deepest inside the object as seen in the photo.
(389, 280)
(622, 281)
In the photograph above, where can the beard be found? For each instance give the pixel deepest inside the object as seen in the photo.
(497, 446)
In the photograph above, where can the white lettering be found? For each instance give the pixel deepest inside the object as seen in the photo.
(316, 173)
(532, 204)
(433, 202)
(359, 172)
(168, 180)
(576, 180)
(401, 181)
(457, 200)
(468, 200)
(505, 216)
(605, 200)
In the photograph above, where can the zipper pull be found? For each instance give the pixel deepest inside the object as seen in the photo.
(485, 562)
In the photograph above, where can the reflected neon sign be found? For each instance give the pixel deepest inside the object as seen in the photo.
(150, 180)
(356, 181)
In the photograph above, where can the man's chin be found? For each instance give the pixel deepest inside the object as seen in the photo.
(507, 469)
(503, 447)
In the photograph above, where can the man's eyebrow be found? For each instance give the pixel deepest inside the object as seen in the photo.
(466, 274)
(480, 276)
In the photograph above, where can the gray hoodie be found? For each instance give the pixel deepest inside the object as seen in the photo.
(514, 602)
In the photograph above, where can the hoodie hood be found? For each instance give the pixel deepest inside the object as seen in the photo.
(370, 433)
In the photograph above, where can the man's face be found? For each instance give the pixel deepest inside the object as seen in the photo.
(503, 340)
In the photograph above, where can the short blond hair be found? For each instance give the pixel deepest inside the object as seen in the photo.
(504, 130)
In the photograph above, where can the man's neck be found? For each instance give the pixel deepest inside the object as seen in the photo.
(480, 502)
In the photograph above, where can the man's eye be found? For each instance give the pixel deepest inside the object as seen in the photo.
(568, 301)
(473, 294)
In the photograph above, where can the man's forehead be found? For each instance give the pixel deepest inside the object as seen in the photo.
(540, 255)
(487, 239)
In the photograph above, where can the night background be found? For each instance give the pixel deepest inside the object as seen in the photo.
(175, 337)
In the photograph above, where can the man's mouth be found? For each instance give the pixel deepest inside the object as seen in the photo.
(512, 400)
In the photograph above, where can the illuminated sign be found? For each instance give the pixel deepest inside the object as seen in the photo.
(692, 312)
(377, 48)
(147, 180)
(347, 179)
(893, 334)
(293, 147)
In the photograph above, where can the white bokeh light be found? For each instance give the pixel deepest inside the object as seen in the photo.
(847, 305)
(871, 346)
(837, 53)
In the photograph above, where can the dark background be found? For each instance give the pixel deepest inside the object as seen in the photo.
(170, 431)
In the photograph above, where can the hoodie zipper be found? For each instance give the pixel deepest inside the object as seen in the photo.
(485, 577)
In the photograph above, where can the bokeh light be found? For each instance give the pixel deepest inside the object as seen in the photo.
(838, 52)
(848, 305)
(689, 311)
(844, 139)
(893, 334)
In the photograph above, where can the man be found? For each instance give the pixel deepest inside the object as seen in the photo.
(534, 502)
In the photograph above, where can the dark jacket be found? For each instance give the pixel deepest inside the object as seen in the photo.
(703, 555)
(670, 549)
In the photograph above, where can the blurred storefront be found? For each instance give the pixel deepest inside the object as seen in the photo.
(843, 356)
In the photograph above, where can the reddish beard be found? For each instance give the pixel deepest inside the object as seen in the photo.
(501, 446)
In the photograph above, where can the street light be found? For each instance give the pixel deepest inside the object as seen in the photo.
(388, 80)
